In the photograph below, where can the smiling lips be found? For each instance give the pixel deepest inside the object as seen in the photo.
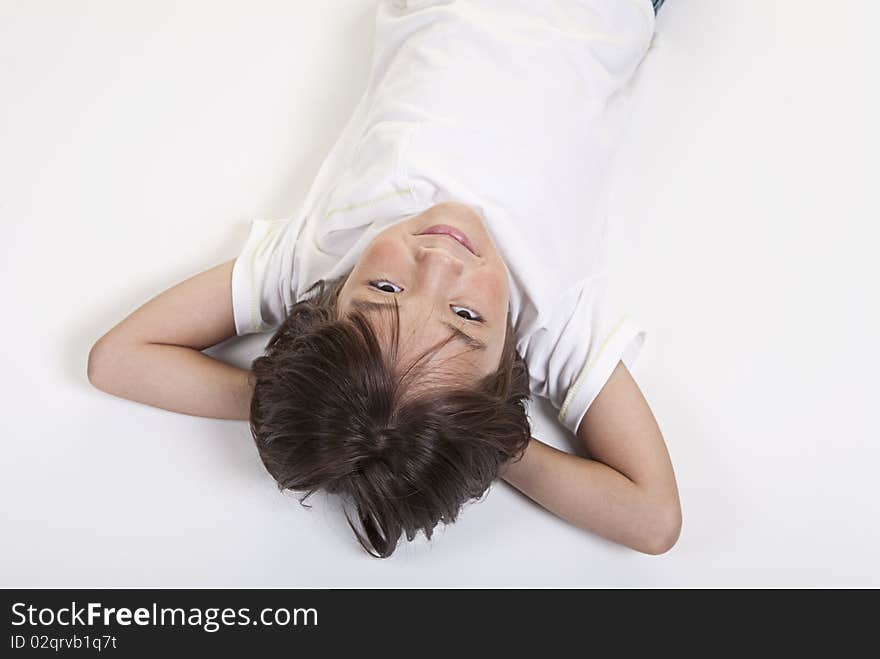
(452, 232)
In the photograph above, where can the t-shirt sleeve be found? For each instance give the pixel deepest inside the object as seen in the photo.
(615, 336)
(573, 357)
(258, 276)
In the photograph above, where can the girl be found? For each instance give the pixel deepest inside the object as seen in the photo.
(446, 263)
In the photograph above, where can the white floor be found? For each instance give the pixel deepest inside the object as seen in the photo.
(138, 139)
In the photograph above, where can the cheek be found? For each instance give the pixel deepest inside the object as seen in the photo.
(381, 256)
(494, 287)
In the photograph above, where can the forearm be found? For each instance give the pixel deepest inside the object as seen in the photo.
(172, 377)
(592, 496)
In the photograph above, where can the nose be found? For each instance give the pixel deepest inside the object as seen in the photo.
(437, 266)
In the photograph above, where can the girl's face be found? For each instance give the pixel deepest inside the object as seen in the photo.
(447, 277)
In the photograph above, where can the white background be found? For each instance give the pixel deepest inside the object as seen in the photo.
(138, 140)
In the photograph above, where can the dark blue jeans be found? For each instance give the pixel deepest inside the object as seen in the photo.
(657, 5)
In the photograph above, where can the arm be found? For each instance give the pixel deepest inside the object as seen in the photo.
(627, 491)
(154, 355)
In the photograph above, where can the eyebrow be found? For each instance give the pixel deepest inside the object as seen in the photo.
(366, 306)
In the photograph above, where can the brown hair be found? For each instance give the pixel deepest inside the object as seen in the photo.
(331, 410)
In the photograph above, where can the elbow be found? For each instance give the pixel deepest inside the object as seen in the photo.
(92, 367)
(97, 365)
(665, 530)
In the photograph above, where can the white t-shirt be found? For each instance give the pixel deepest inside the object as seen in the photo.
(512, 107)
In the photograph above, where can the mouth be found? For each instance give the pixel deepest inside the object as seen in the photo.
(456, 234)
